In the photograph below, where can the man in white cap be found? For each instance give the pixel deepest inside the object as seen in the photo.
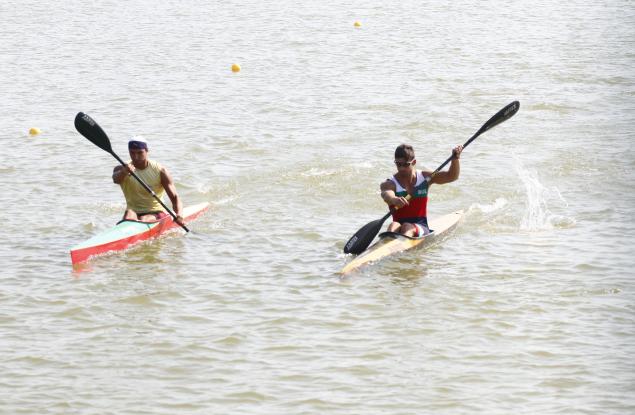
(140, 205)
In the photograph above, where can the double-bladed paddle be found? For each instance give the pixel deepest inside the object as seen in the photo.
(363, 237)
(93, 132)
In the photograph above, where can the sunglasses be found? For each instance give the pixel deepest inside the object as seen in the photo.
(404, 163)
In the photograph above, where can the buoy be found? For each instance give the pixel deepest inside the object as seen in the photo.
(235, 67)
(357, 24)
(35, 131)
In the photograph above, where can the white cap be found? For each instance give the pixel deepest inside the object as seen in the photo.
(138, 139)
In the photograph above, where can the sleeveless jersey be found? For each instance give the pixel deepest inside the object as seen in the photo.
(138, 198)
(418, 208)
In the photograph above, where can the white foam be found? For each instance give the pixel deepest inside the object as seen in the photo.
(498, 204)
(316, 172)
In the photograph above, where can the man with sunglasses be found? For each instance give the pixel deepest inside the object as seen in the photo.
(140, 205)
(406, 192)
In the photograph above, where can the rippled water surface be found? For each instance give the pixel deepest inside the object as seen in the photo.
(527, 308)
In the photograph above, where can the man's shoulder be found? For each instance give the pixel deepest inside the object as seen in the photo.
(155, 165)
(388, 182)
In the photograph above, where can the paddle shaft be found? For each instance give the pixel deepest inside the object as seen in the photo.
(498, 118)
(467, 143)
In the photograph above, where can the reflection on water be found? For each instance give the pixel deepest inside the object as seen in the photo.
(146, 252)
(407, 274)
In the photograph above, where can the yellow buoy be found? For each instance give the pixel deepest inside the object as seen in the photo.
(235, 67)
(357, 24)
(35, 131)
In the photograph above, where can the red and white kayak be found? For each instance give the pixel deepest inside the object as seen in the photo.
(128, 233)
(391, 243)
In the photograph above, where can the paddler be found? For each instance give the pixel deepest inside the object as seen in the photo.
(140, 205)
(410, 214)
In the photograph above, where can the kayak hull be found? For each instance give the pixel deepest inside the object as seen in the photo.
(128, 233)
(391, 243)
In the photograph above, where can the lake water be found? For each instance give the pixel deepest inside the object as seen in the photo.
(527, 308)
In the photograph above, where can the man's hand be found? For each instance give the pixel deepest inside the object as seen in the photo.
(120, 172)
(399, 202)
(456, 152)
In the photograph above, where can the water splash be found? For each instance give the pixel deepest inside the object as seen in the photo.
(537, 214)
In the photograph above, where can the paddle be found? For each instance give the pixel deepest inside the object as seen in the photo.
(363, 237)
(93, 132)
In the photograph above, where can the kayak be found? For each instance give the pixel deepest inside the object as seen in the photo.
(391, 243)
(130, 232)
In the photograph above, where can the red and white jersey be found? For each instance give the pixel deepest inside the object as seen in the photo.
(418, 204)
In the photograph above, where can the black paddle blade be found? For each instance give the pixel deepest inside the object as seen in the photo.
(92, 131)
(503, 115)
(363, 237)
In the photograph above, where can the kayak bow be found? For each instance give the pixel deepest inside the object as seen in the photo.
(392, 243)
(128, 233)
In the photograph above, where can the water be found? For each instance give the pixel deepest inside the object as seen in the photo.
(527, 308)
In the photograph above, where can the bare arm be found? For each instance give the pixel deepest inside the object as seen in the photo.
(168, 185)
(388, 194)
(119, 173)
(452, 174)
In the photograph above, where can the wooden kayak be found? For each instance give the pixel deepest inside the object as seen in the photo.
(130, 232)
(391, 243)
